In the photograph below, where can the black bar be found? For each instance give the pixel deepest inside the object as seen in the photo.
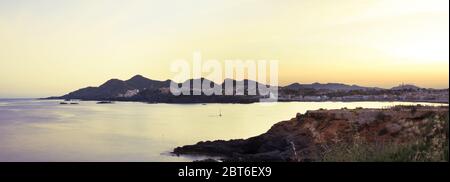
(316, 171)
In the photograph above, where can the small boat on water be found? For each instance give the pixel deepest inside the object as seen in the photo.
(105, 102)
(74, 103)
(63, 103)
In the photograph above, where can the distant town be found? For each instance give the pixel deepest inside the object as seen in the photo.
(402, 92)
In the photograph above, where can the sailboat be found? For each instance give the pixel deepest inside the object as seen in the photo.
(220, 112)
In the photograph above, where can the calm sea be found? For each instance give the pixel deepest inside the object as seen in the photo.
(44, 130)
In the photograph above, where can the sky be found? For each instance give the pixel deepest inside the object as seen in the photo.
(52, 47)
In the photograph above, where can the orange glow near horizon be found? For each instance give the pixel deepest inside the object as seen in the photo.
(52, 47)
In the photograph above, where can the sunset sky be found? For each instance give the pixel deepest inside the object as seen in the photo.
(51, 47)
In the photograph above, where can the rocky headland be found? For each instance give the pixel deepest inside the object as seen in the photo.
(400, 133)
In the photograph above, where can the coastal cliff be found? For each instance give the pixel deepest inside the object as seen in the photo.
(400, 133)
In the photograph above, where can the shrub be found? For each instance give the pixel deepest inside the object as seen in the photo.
(381, 116)
(430, 148)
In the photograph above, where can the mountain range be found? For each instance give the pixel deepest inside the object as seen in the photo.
(139, 88)
(329, 86)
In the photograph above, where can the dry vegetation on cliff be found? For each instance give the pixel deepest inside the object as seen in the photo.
(433, 147)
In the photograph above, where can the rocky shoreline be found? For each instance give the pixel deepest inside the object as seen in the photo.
(307, 137)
